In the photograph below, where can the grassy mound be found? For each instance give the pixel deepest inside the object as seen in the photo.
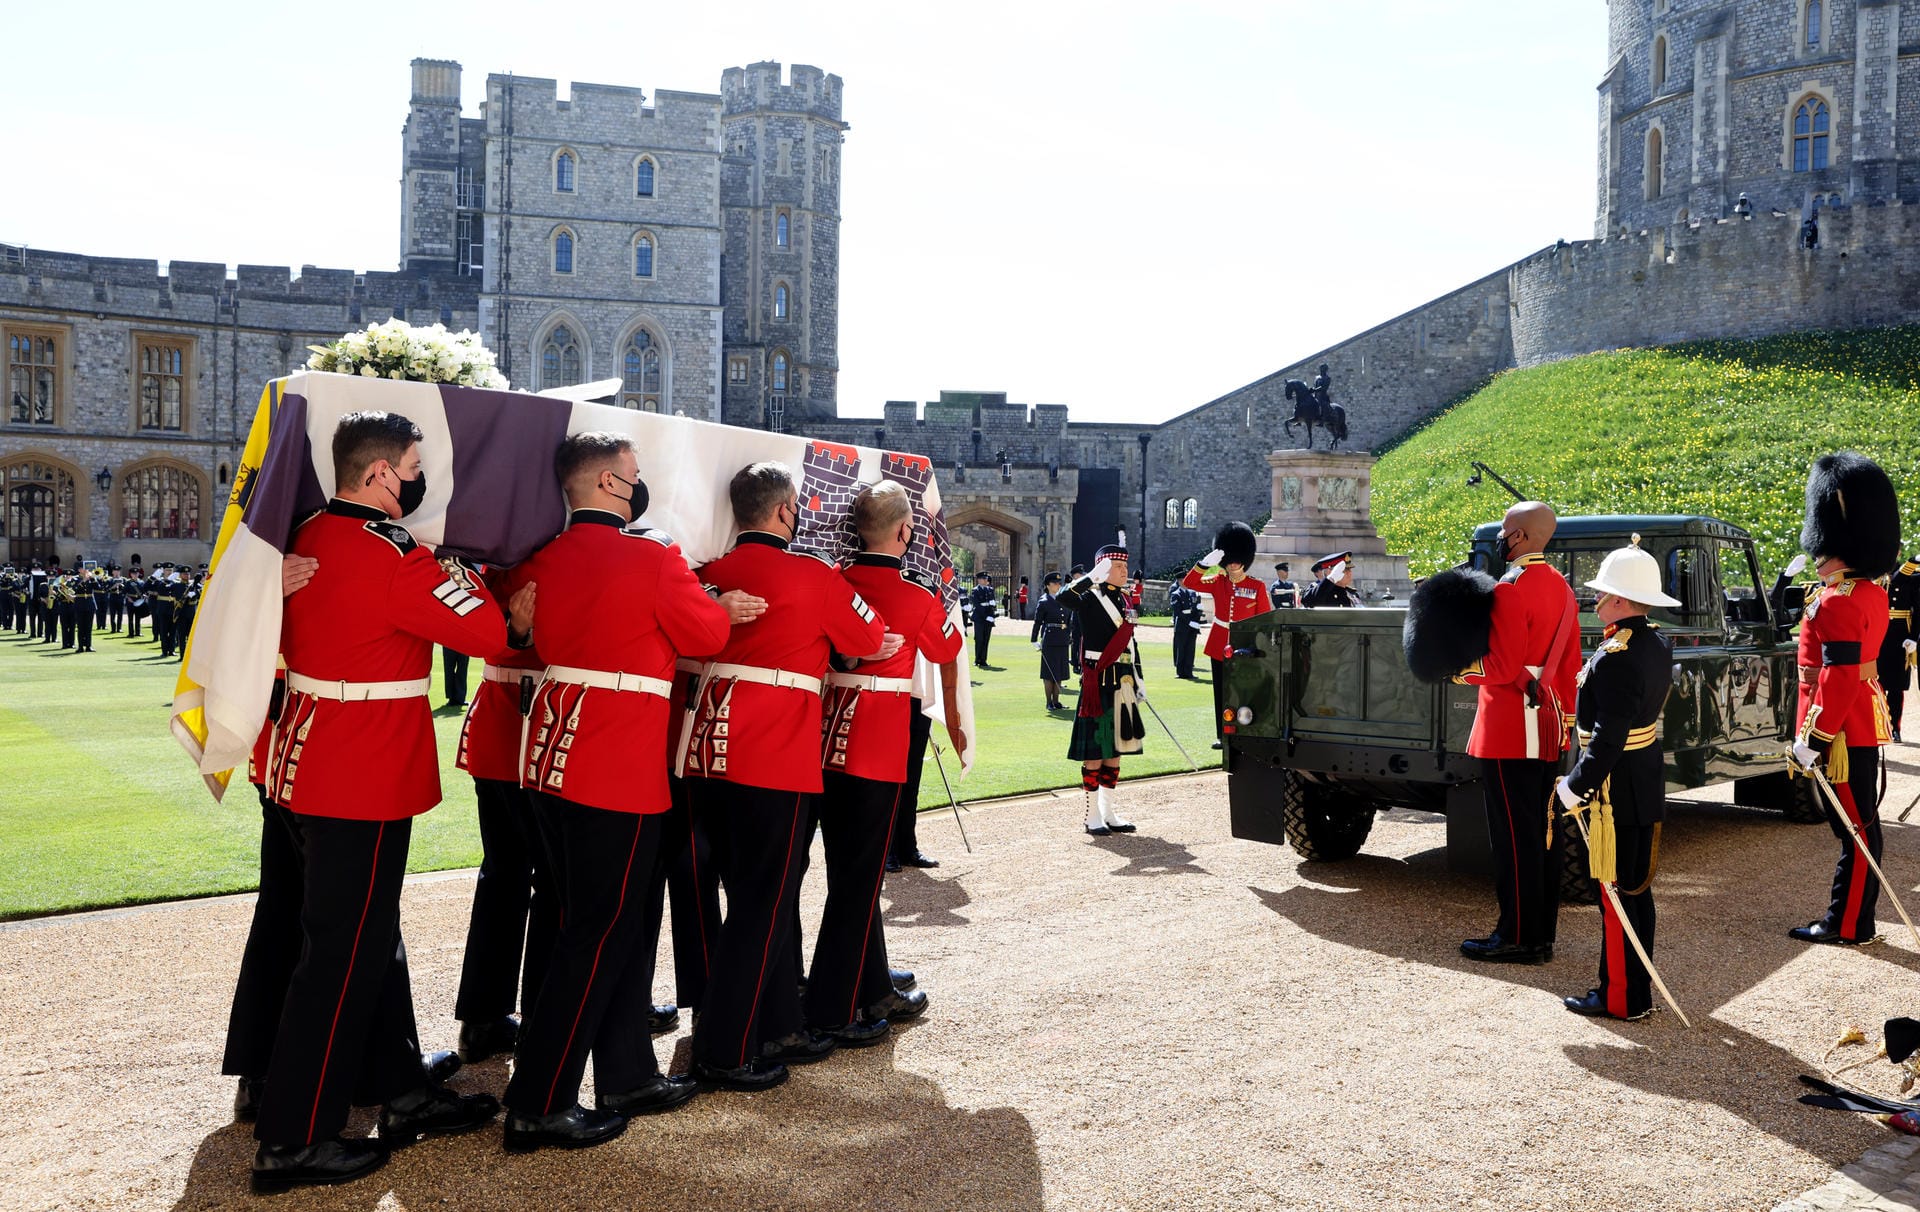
(1726, 428)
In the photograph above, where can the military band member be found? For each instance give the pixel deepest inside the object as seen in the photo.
(985, 605)
(1107, 725)
(82, 588)
(184, 613)
(1523, 715)
(1621, 772)
(1050, 637)
(100, 578)
(863, 756)
(116, 601)
(751, 755)
(1284, 592)
(1897, 649)
(1333, 582)
(352, 762)
(1222, 576)
(1852, 533)
(64, 607)
(1189, 620)
(166, 597)
(137, 594)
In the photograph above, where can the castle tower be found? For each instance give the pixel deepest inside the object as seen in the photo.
(780, 280)
(1792, 102)
(430, 167)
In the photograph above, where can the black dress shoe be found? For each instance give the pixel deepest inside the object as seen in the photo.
(479, 1040)
(862, 1032)
(901, 979)
(1820, 932)
(1097, 830)
(1124, 827)
(574, 1128)
(434, 1110)
(440, 1065)
(898, 1006)
(662, 1019)
(803, 1047)
(1497, 950)
(755, 1075)
(246, 1099)
(1595, 1006)
(921, 860)
(658, 1093)
(893, 864)
(283, 1167)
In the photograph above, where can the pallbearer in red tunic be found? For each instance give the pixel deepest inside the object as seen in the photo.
(617, 608)
(752, 759)
(1852, 532)
(1520, 728)
(865, 758)
(352, 762)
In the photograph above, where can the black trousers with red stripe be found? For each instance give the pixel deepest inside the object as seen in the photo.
(850, 953)
(761, 837)
(600, 981)
(345, 1031)
(906, 845)
(516, 909)
(1526, 875)
(1856, 890)
(687, 871)
(1625, 987)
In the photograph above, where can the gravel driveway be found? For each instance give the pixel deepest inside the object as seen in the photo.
(1170, 1020)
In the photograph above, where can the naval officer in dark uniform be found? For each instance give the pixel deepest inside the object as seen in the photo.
(1334, 583)
(985, 605)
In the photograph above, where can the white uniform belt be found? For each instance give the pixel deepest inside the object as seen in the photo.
(879, 685)
(356, 692)
(689, 665)
(497, 673)
(602, 679)
(766, 677)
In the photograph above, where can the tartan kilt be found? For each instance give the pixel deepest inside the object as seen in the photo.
(1096, 738)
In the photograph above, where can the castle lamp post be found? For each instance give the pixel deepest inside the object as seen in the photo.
(1140, 558)
(104, 479)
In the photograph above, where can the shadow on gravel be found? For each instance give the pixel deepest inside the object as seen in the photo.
(915, 898)
(1149, 855)
(852, 1132)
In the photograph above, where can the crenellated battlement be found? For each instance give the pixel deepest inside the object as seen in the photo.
(760, 86)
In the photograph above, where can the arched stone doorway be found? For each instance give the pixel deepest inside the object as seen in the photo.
(1001, 543)
(39, 504)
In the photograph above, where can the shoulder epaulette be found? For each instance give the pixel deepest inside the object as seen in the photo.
(1909, 568)
(647, 532)
(915, 577)
(1844, 588)
(310, 517)
(1618, 641)
(394, 533)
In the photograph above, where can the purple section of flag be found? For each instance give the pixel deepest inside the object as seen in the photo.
(506, 501)
(285, 488)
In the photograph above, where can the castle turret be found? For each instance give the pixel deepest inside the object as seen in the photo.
(430, 166)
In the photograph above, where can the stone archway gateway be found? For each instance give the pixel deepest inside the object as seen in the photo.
(38, 504)
(1000, 542)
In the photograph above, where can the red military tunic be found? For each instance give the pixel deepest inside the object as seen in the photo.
(1232, 601)
(611, 601)
(762, 735)
(491, 735)
(1840, 635)
(865, 731)
(372, 613)
(1528, 605)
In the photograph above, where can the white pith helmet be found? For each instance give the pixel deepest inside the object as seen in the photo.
(1633, 574)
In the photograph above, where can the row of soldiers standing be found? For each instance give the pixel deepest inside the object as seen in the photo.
(48, 603)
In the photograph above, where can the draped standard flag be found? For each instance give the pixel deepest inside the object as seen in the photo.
(492, 497)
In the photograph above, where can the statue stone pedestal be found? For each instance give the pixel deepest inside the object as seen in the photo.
(1322, 504)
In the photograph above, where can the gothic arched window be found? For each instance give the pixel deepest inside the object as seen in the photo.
(563, 251)
(36, 507)
(1173, 513)
(643, 256)
(640, 373)
(780, 301)
(160, 503)
(782, 230)
(560, 358)
(1190, 513)
(643, 178)
(1813, 25)
(1811, 126)
(1656, 161)
(563, 173)
(779, 376)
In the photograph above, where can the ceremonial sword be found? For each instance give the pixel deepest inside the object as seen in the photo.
(1140, 693)
(1612, 890)
(1859, 836)
(942, 767)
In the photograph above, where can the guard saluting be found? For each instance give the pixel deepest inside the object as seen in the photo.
(1221, 574)
(1621, 775)
(352, 763)
(1897, 649)
(1852, 532)
(1107, 726)
(1333, 582)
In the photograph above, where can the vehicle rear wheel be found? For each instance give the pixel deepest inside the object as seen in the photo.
(1570, 850)
(1323, 824)
(1796, 799)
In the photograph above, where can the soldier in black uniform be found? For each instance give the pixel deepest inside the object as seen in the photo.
(64, 608)
(1335, 584)
(116, 599)
(99, 577)
(1050, 637)
(1621, 773)
(7, 579)
(1108, 724)
(1188, 620)
(82, 586)
(1284, 592)
(138, 595)
(985, 606)
(39, 614)
(1073, 622)
(166, 599)
(1897, 650)
(183, 614)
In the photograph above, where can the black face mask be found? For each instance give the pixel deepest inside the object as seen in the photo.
(411, 493)
(636, 497)
(1506, 548)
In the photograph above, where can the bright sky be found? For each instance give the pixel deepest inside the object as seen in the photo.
(1127, 208)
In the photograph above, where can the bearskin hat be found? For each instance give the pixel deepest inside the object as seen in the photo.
(1449, 623)
(1853, 514)
(1236, 545)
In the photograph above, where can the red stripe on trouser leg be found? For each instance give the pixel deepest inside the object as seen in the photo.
(1857, 877)
(1613, 955)
(873, 907)
(699, 908)
(773, 927)
(619, 907)
(373, 873)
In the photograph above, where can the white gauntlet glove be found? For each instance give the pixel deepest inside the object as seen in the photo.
(1100, 570)
(1568, 799)
(1212, 558)
(1804, 756)
(1795, 566)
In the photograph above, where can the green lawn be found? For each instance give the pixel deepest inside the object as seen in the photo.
(101, 807)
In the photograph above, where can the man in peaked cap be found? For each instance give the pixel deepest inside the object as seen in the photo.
(1621, 777)
(1852, 533)
(1333, 583)
(1221, 575)
(1897, 649)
